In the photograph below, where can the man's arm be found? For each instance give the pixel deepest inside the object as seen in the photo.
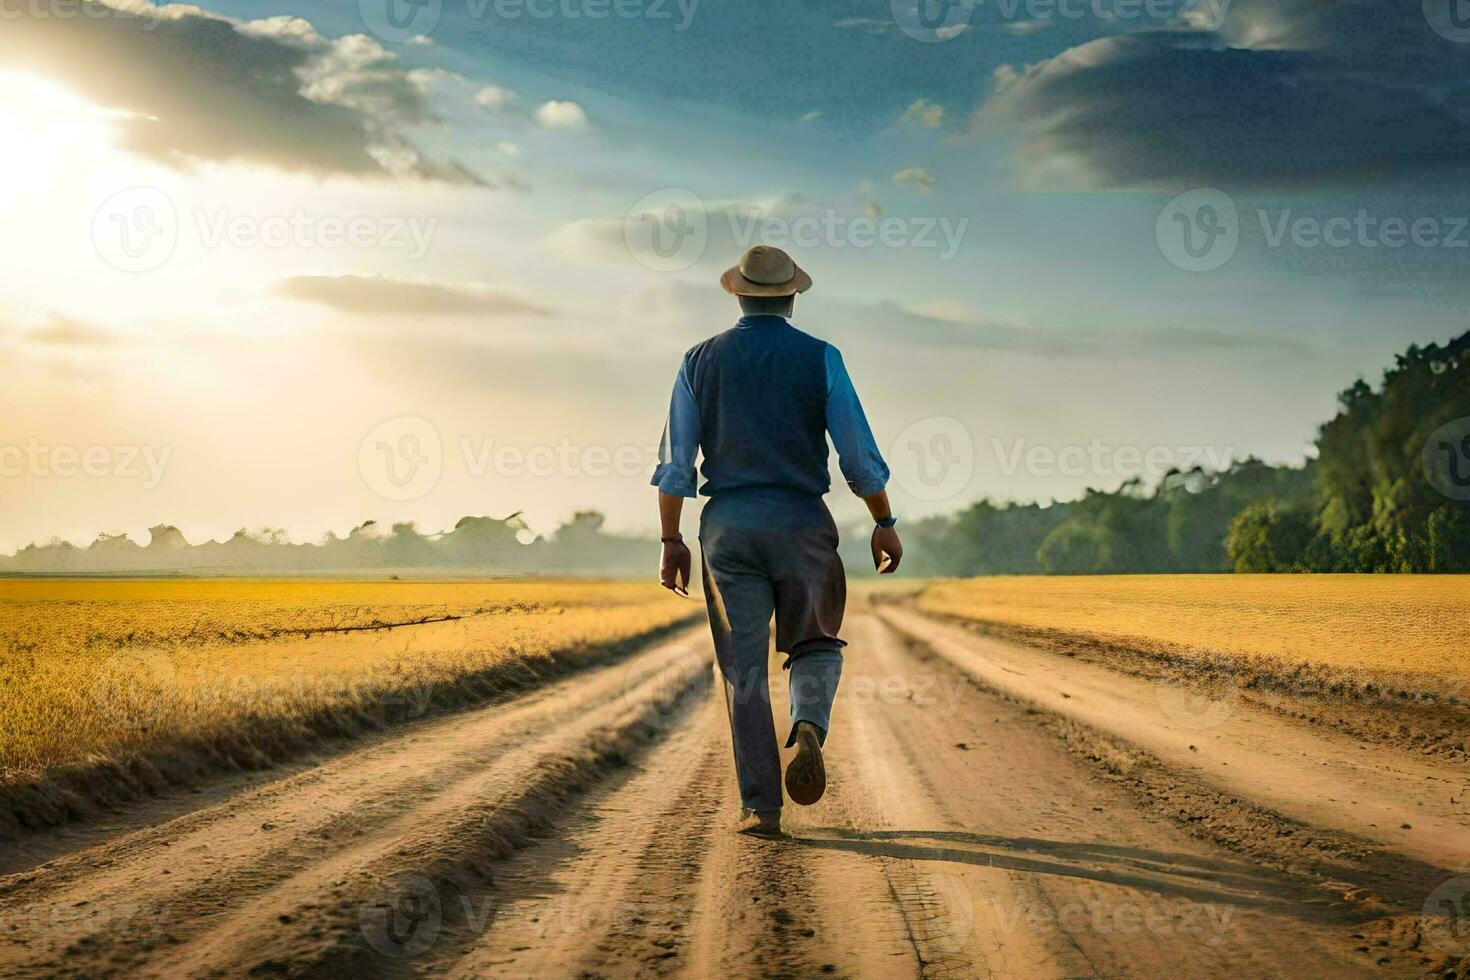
(861, 463)
(676, 479)
(670, 508)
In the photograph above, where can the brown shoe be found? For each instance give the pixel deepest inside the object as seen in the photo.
(806, 777)
(760, 823)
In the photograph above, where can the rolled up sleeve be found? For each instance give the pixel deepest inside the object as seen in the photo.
(858, 457)
(678, 448)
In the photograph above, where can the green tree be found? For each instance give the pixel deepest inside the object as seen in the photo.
(1269, 537)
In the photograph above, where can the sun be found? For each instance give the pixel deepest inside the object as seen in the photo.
(42, 127)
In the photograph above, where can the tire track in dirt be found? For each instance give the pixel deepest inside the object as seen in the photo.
(958, 838)
(274, 879)
(1013, 859)
(651, 881)
(1401, 802)
(648, 879)
(1378, 887)
(614, 891)
(587, 830)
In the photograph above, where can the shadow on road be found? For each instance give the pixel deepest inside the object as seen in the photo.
(1176, 875)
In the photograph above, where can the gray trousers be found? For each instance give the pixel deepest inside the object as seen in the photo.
(795, 575)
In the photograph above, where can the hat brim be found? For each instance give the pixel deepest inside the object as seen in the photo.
(738, 285)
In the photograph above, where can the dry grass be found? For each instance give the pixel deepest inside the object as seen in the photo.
(1400, 624)
(93, 672)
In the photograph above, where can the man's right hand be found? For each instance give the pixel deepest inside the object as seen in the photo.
(673, 569)
(886, 545)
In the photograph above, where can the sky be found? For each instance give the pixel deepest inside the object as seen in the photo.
(299, 265)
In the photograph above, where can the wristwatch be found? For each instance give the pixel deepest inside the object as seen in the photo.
(676, 539)
(888, 521)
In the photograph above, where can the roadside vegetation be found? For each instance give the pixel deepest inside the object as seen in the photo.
(116, 687)
(1402, 624)
(1378, 657)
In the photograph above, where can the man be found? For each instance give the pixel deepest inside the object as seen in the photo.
(760, 400)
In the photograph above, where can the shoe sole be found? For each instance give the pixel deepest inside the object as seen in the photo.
(806, 777)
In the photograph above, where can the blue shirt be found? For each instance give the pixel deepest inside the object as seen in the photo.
(760, 400)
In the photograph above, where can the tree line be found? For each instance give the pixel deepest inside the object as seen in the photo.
(1388, 490)
(475, 545)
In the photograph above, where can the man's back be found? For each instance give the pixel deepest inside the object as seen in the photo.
(761, 392)
(760, 400)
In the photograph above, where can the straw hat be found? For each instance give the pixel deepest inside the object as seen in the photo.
(765, 271)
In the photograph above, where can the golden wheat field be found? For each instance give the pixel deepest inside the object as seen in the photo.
(97, 669)
(1398, 623)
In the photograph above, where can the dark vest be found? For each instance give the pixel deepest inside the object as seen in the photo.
(761, 388)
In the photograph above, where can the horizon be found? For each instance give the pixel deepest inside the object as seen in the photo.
(448, 268)
(265, 532)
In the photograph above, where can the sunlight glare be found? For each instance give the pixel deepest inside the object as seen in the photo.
(41, 125)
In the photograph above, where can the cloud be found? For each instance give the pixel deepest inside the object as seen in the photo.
(1024, 28)
(950, 322)
(1282, 95)
(63, 331)
(597, 241)
(561, 115)
(867, 25)
(922, 113)
(812, 116)
(195, 86)
(1204, 338)
(681, 313)
(731, 225)
(377, 295)
(493, 97)
(874, 25)
(952, 310)
(916, 177)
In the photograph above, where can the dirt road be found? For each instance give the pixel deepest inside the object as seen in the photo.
(989, 813)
